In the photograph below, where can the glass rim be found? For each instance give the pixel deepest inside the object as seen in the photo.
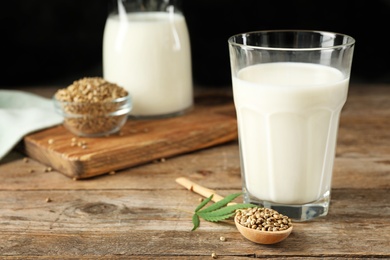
(350, 40)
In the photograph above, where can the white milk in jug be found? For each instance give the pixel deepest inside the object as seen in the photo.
(148, 53)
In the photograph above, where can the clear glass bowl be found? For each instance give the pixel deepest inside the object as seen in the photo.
(94, 119)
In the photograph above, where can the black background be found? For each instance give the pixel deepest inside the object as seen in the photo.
(56, 42)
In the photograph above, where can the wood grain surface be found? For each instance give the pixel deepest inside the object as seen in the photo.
(142, 213)
(138, 142)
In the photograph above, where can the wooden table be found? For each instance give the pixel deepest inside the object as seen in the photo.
(142, 212)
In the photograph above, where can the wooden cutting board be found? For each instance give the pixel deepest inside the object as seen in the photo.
(139, 142)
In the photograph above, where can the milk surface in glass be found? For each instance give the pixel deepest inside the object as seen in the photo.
(288, 115)
(149, 55)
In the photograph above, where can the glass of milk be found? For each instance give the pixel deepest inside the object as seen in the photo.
(289, 88)
(146, 50)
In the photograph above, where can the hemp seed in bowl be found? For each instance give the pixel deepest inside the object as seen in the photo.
(93, 107)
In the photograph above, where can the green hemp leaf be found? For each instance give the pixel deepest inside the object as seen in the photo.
(217, 211)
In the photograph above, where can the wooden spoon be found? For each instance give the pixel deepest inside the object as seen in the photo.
(257, 236)
(262, 237)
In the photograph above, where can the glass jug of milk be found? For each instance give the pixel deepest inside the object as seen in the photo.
(146, 50)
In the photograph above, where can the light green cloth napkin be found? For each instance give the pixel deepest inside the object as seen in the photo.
(22, 113)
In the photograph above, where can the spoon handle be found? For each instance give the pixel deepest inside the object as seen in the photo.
(192, 186)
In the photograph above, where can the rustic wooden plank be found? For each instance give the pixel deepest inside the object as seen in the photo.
(183, 244)
(93, 223)
(159, 175)
(207, 167)
(368, 101)
(161, 209)
(364, 124)
(364, 137)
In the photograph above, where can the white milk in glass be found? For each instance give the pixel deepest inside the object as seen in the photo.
(149, 55)
(288, 116)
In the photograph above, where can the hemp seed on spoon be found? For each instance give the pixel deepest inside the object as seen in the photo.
(263, 219)
(263, 225)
